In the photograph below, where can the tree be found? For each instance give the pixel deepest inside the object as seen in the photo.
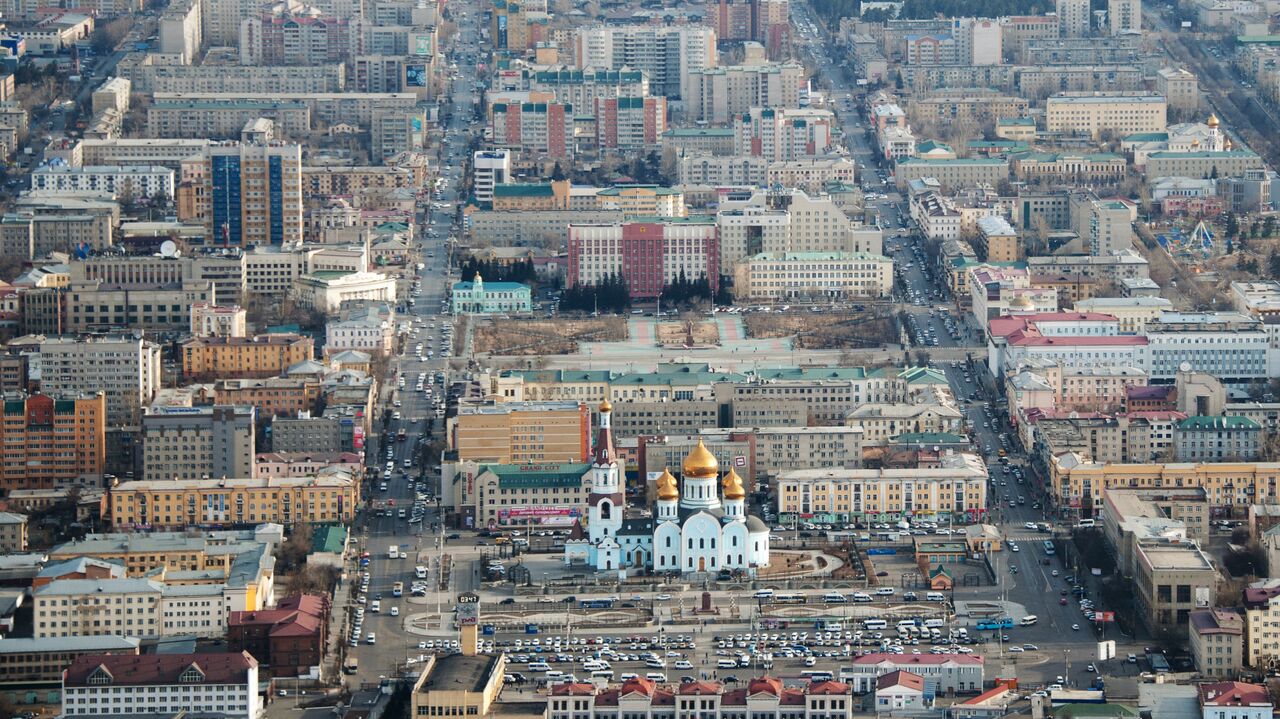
(312, 579)
(293, 552)
(1273, 264)
(107, 37)
(557, 172)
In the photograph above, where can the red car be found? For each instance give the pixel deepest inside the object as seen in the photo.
(1063, 601)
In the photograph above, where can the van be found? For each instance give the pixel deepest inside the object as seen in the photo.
(935, 597)
(655, 663)
(606, 674)
(934, 623)
(539, 667)
(860, 597)
(1028, 620)
(553, 674)
(763, 594)
(834, 598)
(726, 664)
(656, 677)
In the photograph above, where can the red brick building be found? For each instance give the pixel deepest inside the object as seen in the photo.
(287, 640)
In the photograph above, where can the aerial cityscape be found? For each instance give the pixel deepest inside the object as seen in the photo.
(663, 359)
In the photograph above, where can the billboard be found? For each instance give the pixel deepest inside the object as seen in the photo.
(421, 44)
(1104, 616)
(560, 516)
(1106, 650)
(415, 75)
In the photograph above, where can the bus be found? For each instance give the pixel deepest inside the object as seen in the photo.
(790, 599)
(814, 675)
(596, 604)
(397, 589)
(1003, 623)
(1048, 547)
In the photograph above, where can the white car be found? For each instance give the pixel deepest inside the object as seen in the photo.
(1013, 547)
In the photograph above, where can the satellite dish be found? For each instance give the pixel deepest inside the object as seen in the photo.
(168, 248)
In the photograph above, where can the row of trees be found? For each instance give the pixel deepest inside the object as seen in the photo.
(492, 271)
(611, 295)
(684, 291)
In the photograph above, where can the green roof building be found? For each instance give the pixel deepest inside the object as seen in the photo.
(1227, 438)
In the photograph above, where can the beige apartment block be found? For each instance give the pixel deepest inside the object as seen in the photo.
(1096, 112)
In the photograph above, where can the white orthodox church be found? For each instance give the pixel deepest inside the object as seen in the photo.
(692, 529)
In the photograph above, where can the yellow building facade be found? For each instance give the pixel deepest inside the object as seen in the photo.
(1079, 483)
(186, 502)
(843, 495)
(261, 356)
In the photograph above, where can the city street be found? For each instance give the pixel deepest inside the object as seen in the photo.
(381, 525)
(1029, 581)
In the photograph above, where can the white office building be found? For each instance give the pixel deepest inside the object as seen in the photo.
(489, 168)
(123, 181)
(137, 685)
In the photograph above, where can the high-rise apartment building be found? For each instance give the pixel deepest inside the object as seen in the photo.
(764, 21)
(1124, 16)
(783, 133)
(295, 34)
(630, 123)
(53, 442)
(668, 55)
(126, 370)
(538, 128)
(198, 442)
(717, 94)
(1074, 18)
(246, 195)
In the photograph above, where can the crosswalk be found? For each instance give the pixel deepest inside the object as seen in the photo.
(1027, 538)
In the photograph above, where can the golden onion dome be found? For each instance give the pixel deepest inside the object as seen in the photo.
(1213, 120)
(606, 405)
(701, 462)
(668, 489)
(732, 484)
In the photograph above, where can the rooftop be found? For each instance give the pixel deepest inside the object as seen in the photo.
(1234, 694)
(320, 480)
(1178, 557)
(157, 669)
(103, 643)
(1204, 424)
(457, 672)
